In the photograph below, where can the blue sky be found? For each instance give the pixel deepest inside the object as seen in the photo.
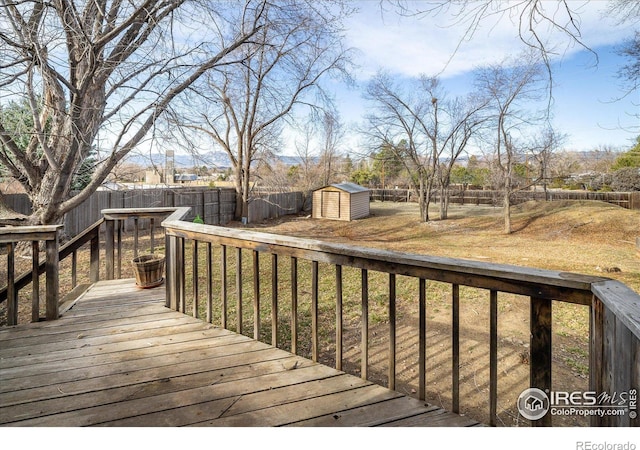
(587, 106)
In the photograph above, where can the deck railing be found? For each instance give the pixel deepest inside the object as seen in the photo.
(10, 236)
(111, 226)
(614, 309)
(614, 345)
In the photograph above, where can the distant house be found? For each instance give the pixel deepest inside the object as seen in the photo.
(341, 201)
(185, 178)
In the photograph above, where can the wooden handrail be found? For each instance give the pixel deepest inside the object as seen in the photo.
(112, 218)
(66, 250)
(615, 309)
(541, 283)
(34, 234)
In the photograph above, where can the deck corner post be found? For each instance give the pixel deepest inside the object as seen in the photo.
(171, 287)
(596, 347)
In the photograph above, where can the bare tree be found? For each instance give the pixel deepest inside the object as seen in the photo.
(543, 147)
(462, 119)
(309, 176)
(403, 121)
(434, 131)
(331, 133)
(512, 90)
(104, 71)
(243, 106)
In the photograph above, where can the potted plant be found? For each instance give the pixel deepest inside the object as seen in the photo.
(149, 270)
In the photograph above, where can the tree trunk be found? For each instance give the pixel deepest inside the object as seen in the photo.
(238, 186)
(246, 190)
(424, 197)
(444, 203)
(507, 211)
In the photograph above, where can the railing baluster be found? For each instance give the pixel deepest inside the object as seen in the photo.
(180, 279)
(223, 286)
(119, 260)
(364, 350)
(94, 271)
(209, 283)
(314, 311)
(12, 294)
(239, 289)
(35, 281)
(171, 261)
(540, 345)
(455, 348)
(422, 339)
(392, 331)
(274, 299)
(152, 223)
(339, 317)
(135, 237)
(109, 249)
(493, 358)
(52, 282)
(256, 295)
(194, 277)
(74, 268)
(294, 305)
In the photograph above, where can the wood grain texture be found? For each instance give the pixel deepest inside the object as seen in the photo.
(119, 357)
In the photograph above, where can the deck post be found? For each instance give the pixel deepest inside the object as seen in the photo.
(53, 284)
(392, 331)
(540, 345)
(94, 271)
(12, 292)
(339, 318)
(294, 305)
(364, 351)
(180, 275)
(35, 281)
(422, 339)
(171, 287)
(109, 248)
(455, 348)
(493, 357)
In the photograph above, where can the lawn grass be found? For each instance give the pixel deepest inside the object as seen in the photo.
(583, 237)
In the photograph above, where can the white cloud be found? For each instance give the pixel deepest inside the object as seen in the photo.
(410, 45)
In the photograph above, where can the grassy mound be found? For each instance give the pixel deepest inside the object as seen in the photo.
(590, 221)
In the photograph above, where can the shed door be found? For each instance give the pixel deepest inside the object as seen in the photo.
(331, 205)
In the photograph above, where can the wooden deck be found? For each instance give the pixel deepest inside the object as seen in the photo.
(120, 358)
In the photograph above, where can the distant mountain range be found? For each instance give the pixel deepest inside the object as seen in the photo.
(208, 159)
(181, 160)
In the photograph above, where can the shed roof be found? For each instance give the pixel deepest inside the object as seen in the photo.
(351, 188)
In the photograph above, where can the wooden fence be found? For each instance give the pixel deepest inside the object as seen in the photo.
(269, 206)
(629, 200)
(216, 206)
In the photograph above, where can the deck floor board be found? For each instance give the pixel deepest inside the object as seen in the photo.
(118, 357)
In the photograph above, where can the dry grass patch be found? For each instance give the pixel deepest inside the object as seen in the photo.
(582, 237)
(575, 236)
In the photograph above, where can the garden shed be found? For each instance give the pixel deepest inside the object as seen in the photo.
(341, 201)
